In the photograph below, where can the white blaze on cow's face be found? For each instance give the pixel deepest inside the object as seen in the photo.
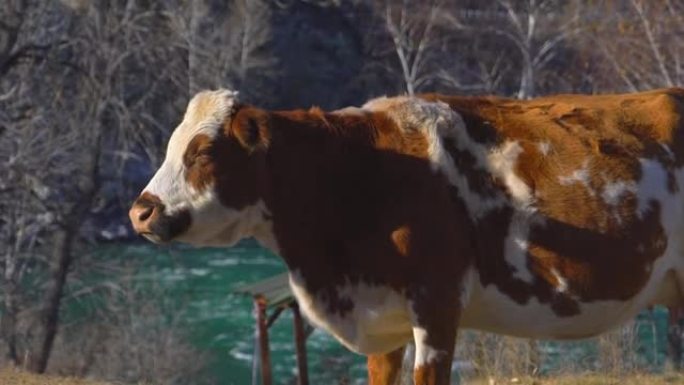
(204, 193)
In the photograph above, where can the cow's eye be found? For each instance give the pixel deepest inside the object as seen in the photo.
(202, 156)
(198, 157)
(203, 153)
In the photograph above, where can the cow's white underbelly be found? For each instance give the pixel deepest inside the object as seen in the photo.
(378, 322)
(495, 312)
(489, 310)
(380, 319)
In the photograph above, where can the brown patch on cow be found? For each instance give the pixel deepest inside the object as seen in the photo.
(432, 374)
(428, 375)
(480, 181)
(588, 259)
(582, 237)
(437, 310)
(402, 240)
(251, 127)
(198, 162)
(385, 369)
(232, 162)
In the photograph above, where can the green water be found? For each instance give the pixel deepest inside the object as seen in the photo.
(199, 281)
(197, 286)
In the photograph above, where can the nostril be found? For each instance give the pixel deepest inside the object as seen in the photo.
(145, 213)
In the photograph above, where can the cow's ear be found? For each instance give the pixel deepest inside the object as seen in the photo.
(250, 127)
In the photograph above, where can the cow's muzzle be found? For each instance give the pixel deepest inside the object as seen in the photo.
(149, 219)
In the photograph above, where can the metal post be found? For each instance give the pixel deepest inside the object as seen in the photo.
(674, 337)
(262, 330)
(300, 345)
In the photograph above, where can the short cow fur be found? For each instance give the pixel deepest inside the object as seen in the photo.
(409, 218)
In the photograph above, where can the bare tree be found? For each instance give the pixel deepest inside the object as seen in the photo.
(57, 162)
(233, 50)
(641, 42)
(534, 29)
(411, 26)
(79, 88)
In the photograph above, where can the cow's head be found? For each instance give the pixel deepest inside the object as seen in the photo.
(206, 191)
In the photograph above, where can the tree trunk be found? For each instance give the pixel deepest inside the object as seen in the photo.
(194, 65)
(8, 322)
(61, 261)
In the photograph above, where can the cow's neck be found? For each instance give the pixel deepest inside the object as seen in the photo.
(308, 151)
(344, 192)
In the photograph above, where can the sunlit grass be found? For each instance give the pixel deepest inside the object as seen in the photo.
(587, 379)
(10, 376)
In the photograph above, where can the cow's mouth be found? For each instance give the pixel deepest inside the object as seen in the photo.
(154, 238)
(163, 228)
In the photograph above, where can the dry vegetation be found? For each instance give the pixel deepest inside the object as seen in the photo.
(10, 376)
(588, 379)
(90, 88)
(15, 377)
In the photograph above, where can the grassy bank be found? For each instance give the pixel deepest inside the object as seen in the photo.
(15, 377)
(588, 379)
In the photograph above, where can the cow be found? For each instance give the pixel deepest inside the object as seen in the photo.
(411, 217)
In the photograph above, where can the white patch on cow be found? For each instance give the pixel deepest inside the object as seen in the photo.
(377, 323)
(544, 148)
(439, 122)
(478, 206)
(516, 246)
(425, 354)
(613, 192)
(652, 186)
(491, 310)
(206, 113)
(224, 226)
(668, 150)
(350, 111)
(580, 176)
(502, 164)
(562, 285)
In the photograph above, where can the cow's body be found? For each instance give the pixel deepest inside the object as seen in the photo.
(553, 218)
(594, 211)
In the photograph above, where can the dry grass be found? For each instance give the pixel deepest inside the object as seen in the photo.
(589, 379)
(10, 376)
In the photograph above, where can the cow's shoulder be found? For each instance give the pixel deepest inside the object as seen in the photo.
(416, 114)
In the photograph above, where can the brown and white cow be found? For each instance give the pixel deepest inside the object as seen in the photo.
(408, 218)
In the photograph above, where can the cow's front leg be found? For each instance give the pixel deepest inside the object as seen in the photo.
(435, 336)
(384, 369)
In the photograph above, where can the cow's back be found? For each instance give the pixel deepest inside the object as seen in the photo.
(576, 202)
